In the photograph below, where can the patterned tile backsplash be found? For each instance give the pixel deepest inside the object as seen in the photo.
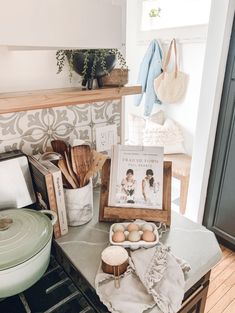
(32, 131)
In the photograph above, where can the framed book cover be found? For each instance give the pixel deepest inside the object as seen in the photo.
(136, 179)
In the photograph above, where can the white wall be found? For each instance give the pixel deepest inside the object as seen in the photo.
(191, 47)
(222, 14)
(61, 23)
(30, 70)
(185, 113)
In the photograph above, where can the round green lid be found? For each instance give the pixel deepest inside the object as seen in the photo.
(23, 233)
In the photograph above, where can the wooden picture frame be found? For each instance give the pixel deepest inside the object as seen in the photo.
(118, 214)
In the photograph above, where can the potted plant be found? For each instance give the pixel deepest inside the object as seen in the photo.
(90, 64)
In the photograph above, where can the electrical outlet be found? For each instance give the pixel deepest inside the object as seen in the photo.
(106, 137)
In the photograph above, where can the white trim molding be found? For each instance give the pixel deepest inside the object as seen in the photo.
(219, 31)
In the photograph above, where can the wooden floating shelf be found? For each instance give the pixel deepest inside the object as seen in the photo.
(42, 99)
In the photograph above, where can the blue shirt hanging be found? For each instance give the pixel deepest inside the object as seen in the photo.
(150, 68)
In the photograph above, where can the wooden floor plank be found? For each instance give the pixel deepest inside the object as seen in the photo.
(215, 297)
(230, 308)
(230, 281)
(224, 302)
(222, 265)
(226, 252)
(221, 293)
(220, 279)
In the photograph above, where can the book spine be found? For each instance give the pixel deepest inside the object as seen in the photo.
(53, 204)
(43, 185)
(59, 192)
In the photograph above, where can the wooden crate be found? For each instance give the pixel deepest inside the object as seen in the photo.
(117, 77)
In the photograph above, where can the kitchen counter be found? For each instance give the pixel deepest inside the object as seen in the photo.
(194, 243)
(188, 240)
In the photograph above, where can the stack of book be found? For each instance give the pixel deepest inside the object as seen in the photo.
(48, 187)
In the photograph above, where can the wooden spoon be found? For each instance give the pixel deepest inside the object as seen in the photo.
(63, 167)
(98, 160)
(74, 168)
(72, 174)
(59, 146)
(81, 161)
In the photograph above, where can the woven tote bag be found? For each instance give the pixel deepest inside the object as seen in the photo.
(170, 86)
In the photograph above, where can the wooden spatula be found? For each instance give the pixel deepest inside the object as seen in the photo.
(63, 167)
(98, 160)
(59, 146)
(69, 167)
(81, 161)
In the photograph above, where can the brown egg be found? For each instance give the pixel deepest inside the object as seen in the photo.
(132, 226)
(134, 236)
(118, 236)
(148, 236)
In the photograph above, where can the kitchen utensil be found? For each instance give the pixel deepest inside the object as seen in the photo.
(97, 163)
(59, 146)
(72, 154)
(69, 167)
(24, 249)
(81, 161)
(50, 156)
(63, 167)
(114, 261)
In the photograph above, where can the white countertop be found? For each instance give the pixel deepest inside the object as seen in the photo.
(190, 241)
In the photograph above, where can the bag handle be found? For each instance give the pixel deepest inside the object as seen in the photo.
(168, 57)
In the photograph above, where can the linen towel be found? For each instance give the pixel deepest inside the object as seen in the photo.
(150, 68)
(154, 280)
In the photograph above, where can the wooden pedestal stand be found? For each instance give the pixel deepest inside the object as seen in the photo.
(117, 214)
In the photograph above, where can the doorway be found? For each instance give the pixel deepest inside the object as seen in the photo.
(191, 43)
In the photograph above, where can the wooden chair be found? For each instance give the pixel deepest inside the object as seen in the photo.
(181, 164)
